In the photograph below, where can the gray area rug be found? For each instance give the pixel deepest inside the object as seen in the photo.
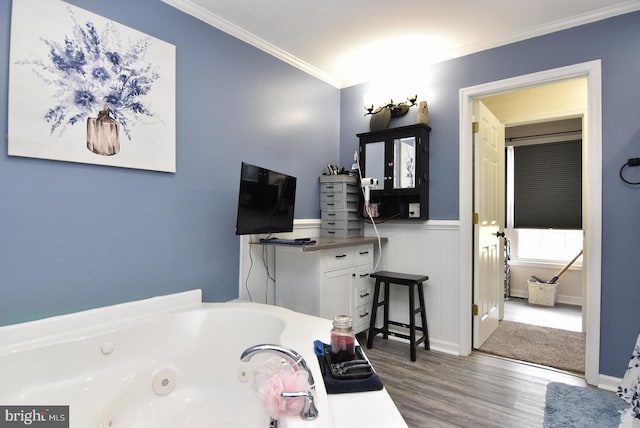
(577, 406)
(550, 347)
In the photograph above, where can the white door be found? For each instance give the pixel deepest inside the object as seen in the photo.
(489, 178)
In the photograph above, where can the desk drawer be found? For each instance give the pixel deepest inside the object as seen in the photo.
(363, 294)
(364, 254)
(361, 318)
(339, 258)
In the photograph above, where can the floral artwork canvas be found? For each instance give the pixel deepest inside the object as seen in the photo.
(83, 88)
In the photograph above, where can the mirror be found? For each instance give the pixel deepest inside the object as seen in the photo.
(374, 161)
(404, 161)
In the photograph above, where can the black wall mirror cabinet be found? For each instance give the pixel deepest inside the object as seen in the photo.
(399, 159)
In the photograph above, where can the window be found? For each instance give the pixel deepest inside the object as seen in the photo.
(546, 245)
(547, 186)
(544, 191)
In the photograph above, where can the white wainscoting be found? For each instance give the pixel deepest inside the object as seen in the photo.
(429, 248)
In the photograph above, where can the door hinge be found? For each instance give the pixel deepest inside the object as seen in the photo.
(474, 310)
(475, 127)
(476, 218)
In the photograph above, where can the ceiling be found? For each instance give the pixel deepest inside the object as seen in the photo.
(345, 42)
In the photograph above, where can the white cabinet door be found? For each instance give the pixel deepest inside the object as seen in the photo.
(335, 296)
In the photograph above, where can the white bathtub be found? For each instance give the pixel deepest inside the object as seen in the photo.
(169, 362)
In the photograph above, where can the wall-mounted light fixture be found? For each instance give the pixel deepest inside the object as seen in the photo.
(396, 109)
(381, 116)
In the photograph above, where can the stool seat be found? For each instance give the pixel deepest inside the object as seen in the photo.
(399, 278)
(385, 278)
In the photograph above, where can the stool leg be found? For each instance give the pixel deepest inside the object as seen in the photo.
(423, 315)
(412, 322)
(385, 333)
(374, 312)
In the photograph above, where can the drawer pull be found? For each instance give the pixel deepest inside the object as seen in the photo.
(365, 294)
(331, 223)
(364, 253)
(364, 315)
(362, 275)
(341, 256)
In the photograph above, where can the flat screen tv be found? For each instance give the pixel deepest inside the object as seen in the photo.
(266, 201)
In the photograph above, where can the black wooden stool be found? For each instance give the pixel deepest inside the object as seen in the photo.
(386, 278)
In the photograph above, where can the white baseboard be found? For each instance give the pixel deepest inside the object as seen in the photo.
(563, 299)
(434, 344)
(608, 383)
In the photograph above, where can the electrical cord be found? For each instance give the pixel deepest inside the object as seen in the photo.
(246, 280)
(630, 162)
(366, 220)
(265, 263)
(373, 223)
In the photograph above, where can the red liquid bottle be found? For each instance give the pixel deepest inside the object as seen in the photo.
(343, 341)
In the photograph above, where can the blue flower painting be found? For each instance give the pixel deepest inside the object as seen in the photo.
(95, 80)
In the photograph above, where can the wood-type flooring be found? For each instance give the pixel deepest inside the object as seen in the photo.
(442, 390)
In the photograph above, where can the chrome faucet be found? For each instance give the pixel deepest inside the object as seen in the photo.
(296, 360)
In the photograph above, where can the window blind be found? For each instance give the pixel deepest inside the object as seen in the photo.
(548, 185)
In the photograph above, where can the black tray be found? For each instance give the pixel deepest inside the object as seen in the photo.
(363, 370)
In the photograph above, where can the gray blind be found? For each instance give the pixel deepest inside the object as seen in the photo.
(548, 186)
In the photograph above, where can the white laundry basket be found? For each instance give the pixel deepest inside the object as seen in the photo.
(542, 293)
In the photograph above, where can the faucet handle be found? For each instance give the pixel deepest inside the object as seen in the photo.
(309, 411)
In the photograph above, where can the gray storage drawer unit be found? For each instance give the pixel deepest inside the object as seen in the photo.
(339, 200)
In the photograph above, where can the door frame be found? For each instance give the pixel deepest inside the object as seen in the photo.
(592, 200)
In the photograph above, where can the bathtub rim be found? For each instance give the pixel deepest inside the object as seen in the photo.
(60, 328)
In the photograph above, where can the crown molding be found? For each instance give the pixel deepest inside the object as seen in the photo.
(230, 28)
(188, 7)
(551, 27)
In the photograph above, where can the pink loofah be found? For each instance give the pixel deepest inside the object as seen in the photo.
(283, 380)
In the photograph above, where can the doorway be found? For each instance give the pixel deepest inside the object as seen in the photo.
(541, 131)
(591, 208)
(543, 140)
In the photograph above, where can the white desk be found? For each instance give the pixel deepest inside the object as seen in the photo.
(327, 279)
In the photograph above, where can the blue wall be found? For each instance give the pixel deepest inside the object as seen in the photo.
(77, 236)
(616, 42)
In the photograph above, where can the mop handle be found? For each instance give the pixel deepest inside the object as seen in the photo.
(563, 270)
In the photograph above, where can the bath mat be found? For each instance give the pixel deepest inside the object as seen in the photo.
(570, 406)
(550, 347)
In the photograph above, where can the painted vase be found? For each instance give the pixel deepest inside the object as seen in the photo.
(103, 134)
